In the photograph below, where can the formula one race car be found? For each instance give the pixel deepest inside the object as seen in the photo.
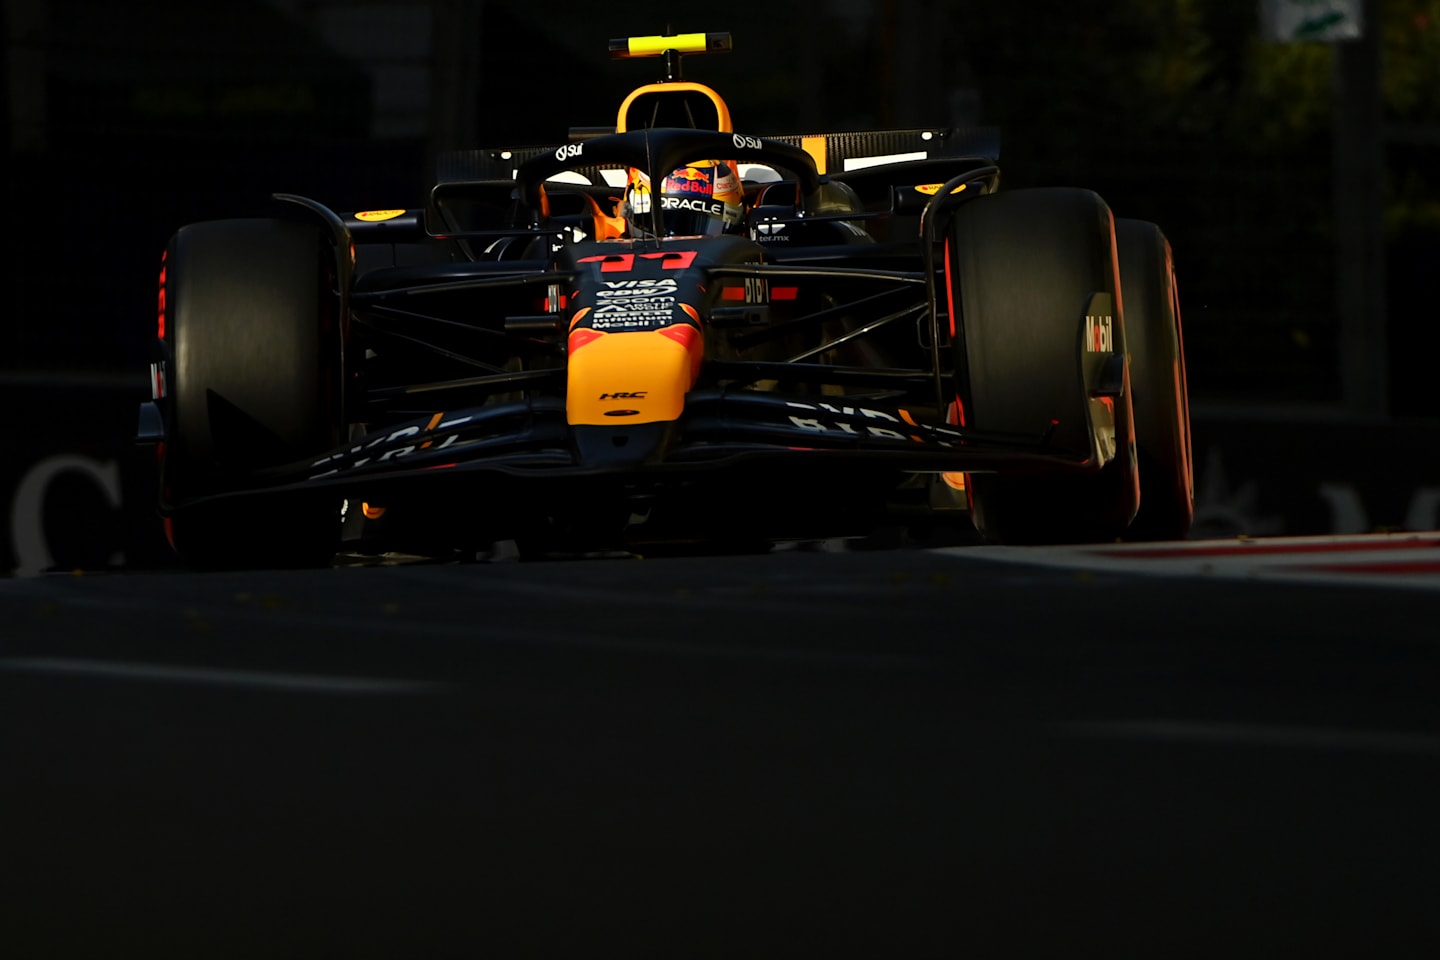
(668, 334)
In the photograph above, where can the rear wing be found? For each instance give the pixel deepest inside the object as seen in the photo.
(833, 153)
(888, 171)
(842, 152)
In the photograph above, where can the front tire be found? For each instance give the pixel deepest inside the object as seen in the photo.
(252, 345)
(1027, 265)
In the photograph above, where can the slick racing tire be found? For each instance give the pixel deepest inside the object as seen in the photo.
(1157, 382)
(252, 350)
(1025, 268)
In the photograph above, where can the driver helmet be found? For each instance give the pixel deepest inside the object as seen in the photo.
(700, 199)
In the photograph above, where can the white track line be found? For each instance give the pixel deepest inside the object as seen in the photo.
(1407, 560)
(595, 635)
(214, 677)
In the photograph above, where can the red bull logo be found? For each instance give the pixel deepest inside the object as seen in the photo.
(688, 180)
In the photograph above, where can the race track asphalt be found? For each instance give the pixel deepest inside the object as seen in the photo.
(882, 754)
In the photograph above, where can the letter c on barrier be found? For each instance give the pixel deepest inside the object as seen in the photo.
(27, 525)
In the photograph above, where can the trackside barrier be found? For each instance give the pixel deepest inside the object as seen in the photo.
(75, 493)
(1310, 472)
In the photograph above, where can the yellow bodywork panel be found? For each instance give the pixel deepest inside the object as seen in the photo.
(638, 376)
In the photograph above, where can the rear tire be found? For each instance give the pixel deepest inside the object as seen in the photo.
(1026, 265)
(254, 380)
(1157, 381)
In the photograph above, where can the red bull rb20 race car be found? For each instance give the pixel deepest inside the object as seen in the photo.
(668, 334)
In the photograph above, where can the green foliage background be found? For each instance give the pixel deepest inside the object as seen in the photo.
(1183, 113)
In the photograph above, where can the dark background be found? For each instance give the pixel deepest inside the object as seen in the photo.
(876, 754)
(126, 120)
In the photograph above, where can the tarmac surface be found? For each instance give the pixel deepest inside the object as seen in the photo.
(1205, 752)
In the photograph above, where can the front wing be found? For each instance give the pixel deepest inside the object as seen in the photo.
(721, 430)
